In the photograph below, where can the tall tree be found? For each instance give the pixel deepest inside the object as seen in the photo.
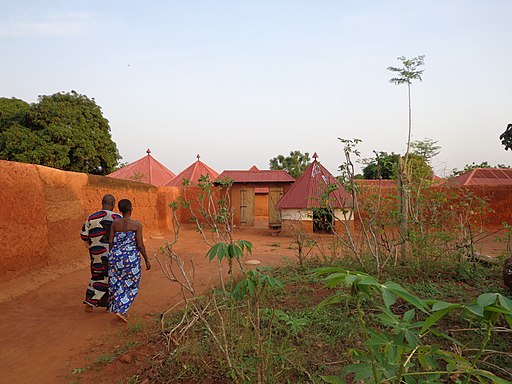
(64, 130)
(409, 71)
(295, 164)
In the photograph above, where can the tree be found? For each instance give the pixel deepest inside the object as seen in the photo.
(385, 166)
(405, 75)
(425, 148)
(64, 130)
(295, 164)
(382, 166)
(409, 71)
(506, 137)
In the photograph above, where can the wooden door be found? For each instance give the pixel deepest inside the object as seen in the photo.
(274, 215)
(246, 206)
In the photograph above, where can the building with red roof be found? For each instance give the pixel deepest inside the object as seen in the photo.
(255, 193)
(484, 176)
(310, 191)
(192, 173)
(145, 170)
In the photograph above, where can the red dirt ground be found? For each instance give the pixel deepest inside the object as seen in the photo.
(45, 333)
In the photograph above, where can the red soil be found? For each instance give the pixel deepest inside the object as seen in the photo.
(46, 333)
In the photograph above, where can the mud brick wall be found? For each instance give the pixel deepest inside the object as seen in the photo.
(42, 211)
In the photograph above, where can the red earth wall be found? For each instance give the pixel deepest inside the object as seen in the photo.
(43, 209)
(498, 201)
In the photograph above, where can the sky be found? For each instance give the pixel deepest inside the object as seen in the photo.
(240, 82)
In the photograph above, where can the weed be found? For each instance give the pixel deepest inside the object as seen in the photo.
(79, 370)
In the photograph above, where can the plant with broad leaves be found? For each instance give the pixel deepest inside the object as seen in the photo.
(405, 354)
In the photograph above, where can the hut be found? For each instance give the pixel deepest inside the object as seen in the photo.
(145, 170)
(254, 195)
(316, 202)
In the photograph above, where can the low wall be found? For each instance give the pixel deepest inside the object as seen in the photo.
(43, 209)
(496, 201)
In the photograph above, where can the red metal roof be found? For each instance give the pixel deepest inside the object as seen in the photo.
(257, 176)
(193, 173)
(484, 176)
(306, 192)
(146, 170)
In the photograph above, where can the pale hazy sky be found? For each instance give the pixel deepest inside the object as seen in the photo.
(240, 82)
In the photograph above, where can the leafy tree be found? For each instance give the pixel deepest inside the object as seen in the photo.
(506, 137)
(64, 130)
(426, 148)
(295, 164)
(12, 111)
(409, 71)
(385, 166)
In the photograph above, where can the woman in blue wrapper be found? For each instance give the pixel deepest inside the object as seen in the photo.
(126, 246)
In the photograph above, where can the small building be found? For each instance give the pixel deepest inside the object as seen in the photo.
(192, 173)
(254, 195)
(316, 202)
(145, 170)
(483, 176)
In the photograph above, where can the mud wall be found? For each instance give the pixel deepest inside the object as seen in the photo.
(43, 209)
(491, 206)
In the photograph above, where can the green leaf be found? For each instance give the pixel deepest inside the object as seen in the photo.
(401, 292)
(495, 379)
(388, 297)
(439, 305)
(475, 309)
(505, 303)
(332, 379)
(434, 318)
(409, 315)
(487, 299)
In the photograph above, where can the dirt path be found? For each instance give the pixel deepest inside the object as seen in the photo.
(45, 333)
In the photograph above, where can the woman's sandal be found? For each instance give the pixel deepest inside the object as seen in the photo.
(121, 317)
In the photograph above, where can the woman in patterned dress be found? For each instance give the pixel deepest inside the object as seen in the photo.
(126, 244)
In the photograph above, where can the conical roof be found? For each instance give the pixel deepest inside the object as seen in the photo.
(146, 170)
(193, 173)
(308, 189)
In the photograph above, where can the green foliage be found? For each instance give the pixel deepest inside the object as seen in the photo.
(64, 130)
(407, 351)
(253, 284)
(230, 251)
(409, 71)
(426, 149)
(295, 164)
(385, 166)
(506, 137)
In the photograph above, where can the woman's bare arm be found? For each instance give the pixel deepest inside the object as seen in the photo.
(140, 245)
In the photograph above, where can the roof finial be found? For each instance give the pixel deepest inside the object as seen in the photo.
(148, 151)
(315, 156)
(198, 157)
